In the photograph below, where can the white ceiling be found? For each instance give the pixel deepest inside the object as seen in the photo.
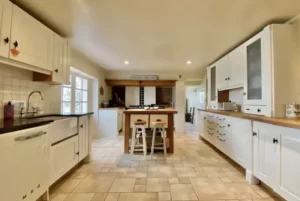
(159, 35)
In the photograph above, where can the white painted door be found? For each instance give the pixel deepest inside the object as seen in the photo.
(240, 141)
(149, 95)
(33, 39)
(5, 26)
(258, 74)
(288, 168)
(222, 72)
(237, 69)
(59, 59)
(83, 137)
(64, 156)
(266, 152)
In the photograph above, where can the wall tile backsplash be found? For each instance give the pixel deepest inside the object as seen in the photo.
(16, 84)
(237, 96)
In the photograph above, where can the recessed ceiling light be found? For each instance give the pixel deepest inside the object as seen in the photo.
(126, 62)
(188, 62)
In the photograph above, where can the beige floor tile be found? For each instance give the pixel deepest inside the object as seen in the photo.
(214, 172)
(163, 196)
(164, 171)
(59, 197)
(141, 181)
(264, 193)
(211, 188)
(67, 186)
(226, 179)
(158, 187)
(157, 181)
(198, 169)
(105, 169)
(237, 177)
(123, 185)
(184, 180)
(139, 188)
(201, 174)
(93, 185)
(185, 172)
(99, 197)
(242, 191)
(265, 199)
(173, 180)
(80, 197)
(183, 192)
(112, 197)
(138, 197)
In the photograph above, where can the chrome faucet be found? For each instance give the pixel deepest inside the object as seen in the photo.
(31, 93)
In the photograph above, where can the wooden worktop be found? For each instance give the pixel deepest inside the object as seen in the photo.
(279, 121)
(143, 111)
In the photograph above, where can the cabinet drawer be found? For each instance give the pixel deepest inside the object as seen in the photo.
(258, 110)
(143, 117)
(63, 128)
(161, 117)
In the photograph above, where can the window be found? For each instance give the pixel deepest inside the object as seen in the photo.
(74, 97)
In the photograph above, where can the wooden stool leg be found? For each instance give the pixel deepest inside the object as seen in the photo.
(153, 141)
(144, 141)
(132, 140)
(164, 141)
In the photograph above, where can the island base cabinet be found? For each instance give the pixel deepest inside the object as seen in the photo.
(64, 156)
(83, 137)
(277, 159)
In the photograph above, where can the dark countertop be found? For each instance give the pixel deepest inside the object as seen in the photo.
(11, 125)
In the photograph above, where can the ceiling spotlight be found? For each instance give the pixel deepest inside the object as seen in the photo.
(188, 62)
(126, 62)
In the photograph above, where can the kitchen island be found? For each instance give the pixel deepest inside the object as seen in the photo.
(149, 116)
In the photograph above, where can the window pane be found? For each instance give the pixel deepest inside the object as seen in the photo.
(84, 96)
(66, 94)
(84, 107)
(78, 83)
(78, 95)
(66, 107)
(84, 84)
(78, 107)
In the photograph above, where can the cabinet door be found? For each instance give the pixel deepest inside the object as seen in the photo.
(5, 26)
(241, 133)
(203, 132)
(149, 95)
(132, 96)
(212, 88)
(222, 73)
(84, 139)
(266, 152)
(64, 156)
(237, 63)
(288, 174)
(33, 40)
(59, 59)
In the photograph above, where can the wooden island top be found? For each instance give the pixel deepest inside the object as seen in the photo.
(170, 130)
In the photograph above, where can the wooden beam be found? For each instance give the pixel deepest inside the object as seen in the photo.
(140, 82)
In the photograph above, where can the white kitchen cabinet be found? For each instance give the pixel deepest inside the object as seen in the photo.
(222, 73)
(237, 67)
(32, 39)
(6, 8)
(59, 64)
(288, 168)
(149, 95)
(212, 88)
(120, 119)
(25, 176)
(64, 156)
(83, 137)
(132, 96)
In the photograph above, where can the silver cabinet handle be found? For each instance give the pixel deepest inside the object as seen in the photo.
(29, 137)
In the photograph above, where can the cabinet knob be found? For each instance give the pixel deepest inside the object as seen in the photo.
(6, 40)
(275, 141)
(247, 109)
(245, 93)
(258, 110)
(228, 78)
(16, 44)
(77, 153)
(81, 126)
(24, 197)
(56, 70)
(254, 134)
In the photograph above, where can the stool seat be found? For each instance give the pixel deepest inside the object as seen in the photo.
(140, 122)
(158, 123)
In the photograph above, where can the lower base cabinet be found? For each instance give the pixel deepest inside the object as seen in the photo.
(64, 156)
(277, 158)
(83, 137)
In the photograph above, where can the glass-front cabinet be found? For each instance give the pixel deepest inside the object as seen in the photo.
(212, 88)
(257, 91)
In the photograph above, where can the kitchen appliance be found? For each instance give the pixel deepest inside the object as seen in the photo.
(292, 110)
(226, 106)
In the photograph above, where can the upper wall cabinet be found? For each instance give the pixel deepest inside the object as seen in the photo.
(6, 8)
(32, 39)
(212, 87)
(231, 69)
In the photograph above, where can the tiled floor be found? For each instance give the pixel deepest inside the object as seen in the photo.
(194, 172)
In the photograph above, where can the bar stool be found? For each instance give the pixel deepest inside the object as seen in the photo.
(159, 125)
(139, 124)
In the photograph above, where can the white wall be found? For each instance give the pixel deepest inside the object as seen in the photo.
(180, 107)
(195, 96)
